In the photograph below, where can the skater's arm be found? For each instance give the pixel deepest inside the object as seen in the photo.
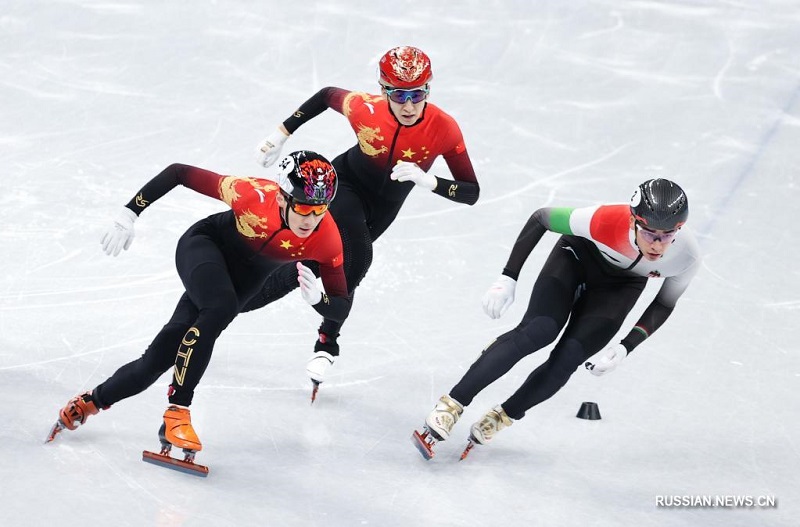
(464, 188)
(335, 304)
(198, 179)
(329, 97)
(661, 307)
(653, 317)
(554, 219)
(120, 232)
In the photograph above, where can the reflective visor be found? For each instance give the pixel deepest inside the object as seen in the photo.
(400, 96)
(653, 236)
(304, 209)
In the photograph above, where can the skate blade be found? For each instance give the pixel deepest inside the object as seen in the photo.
(167, 461)
(57, 428)
(424, 443)
(314, 391)
(465, 453)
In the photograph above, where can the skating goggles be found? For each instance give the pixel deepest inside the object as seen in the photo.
(653, 236)
(400, 96)
(306, 209)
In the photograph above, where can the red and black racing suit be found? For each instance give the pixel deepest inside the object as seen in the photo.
(223, 261)
(368, 201)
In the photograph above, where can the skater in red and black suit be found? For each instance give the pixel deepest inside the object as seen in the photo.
(399, 134)
(223, 261)
(588, 285)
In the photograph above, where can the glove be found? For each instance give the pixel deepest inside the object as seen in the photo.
(120, 233)
(611, 358)
(308, 285)
(499, 297)
(268, 150)
(404, 171)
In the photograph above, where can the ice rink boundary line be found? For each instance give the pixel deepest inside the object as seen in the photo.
(747, 171)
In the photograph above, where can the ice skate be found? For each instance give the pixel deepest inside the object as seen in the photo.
(484, 430)
(177, 430)
(325, 351)
(438, 425)
(75, 413)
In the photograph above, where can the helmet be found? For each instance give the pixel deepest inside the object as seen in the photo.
(308, 177)
(405, 67)
(660, 204)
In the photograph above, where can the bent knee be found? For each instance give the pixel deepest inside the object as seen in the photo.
(567, 356)
(540, 331)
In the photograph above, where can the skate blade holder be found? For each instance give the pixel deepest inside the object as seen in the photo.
(467, 449)
(424, 443)
(167, 461)
(54, 431)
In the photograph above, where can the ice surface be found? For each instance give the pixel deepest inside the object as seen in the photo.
(561, 103)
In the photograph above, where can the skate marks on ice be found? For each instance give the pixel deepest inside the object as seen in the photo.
(135, 343)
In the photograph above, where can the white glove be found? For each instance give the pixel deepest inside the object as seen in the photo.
(308, 285)
(405, 171)
(611, 358)
(269, 150)
(119, 234)
(499, 297)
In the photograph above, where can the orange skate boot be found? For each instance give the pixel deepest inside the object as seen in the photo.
(177, 430)
(75, 413)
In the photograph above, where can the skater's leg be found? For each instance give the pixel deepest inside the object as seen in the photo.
(132, 378)
(213, 292)
(360, 223)
(548, 310)
(597, 317)
(136, 376)
(209, 284)
(348, 211)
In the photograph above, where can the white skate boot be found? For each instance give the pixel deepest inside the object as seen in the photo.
(438, 425)
(484, 430)
(316, 368)
(318, 365)
(495, 420)
(443, 417)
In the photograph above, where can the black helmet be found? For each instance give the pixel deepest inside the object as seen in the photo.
(308, 177)
(660, 204)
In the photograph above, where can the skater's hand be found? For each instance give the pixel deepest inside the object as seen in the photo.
(269, 149)
(308, 285)
(404, 171)
(611, 358)
(120, 233)
(499, 297)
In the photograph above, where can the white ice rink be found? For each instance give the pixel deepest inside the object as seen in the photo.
(561, 103)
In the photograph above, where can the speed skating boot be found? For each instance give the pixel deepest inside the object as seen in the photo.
(326, 349)
(178, 430)
(77, 411)
(495, 420)
(443, 417)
